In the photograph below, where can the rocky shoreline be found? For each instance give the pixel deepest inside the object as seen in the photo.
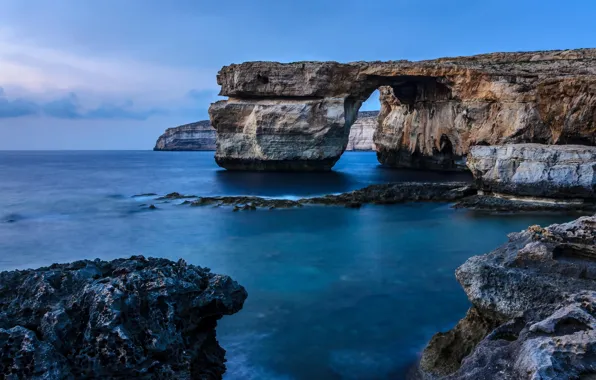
(533, 312)
(127, 318)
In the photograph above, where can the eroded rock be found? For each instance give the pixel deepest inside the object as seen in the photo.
(535, 170)
(297, 116)
(128, 318)
(188, 137)
(362, 132)
(540, 290)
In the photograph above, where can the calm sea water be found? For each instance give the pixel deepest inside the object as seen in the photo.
(334, 293)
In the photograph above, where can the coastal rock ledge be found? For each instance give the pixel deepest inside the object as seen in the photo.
(298, 116)
(535, 170)
(129, 318)
(533, 312)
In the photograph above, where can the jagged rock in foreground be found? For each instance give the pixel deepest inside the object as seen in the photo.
(194, 136)
(128, 318)
(297, 116)
(533, 314)
(362, 131)
(535, 170)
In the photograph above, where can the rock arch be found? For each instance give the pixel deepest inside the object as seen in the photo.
(297, 116)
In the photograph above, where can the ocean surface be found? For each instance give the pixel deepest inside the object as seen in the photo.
(334, 293)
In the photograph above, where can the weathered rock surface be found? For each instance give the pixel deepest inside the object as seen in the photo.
(540, 290)
(297, 116)
(535, 170)
(194, 136)
(374, 194)
(128, 318)
(362, 131)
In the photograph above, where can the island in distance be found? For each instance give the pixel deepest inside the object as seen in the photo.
(201, 136)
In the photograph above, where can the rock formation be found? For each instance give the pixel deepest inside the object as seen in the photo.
(533, 312)
(202, 136)
(297, 116)
(362, 131)
(194, 136)
(534, 170)
(128, 318)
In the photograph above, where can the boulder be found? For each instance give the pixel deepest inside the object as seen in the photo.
(128, 318)
(297, 116)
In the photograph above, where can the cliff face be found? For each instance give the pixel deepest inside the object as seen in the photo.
(193, 136)
(534, 170)
(533, 312)
(298, 116)
(202, 136)
(362, 131)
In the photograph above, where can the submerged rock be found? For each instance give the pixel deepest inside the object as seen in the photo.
(128, 318)
(535, 170)
(374, 194)
(297, 116)
(194, 136)
(540, 290)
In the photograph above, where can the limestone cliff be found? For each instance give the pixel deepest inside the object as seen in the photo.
(298, 116)
(362, 131)
(202, 136)
(535, 170)
(194, 136)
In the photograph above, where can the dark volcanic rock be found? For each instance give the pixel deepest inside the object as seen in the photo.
(500, 204)
(539, 289)
(128, 318)
(398, 193)
(374, 194)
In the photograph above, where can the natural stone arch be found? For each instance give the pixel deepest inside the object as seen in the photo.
(297, 116)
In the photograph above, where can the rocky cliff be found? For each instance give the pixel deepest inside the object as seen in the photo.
(533, 312)
(362, 131)
(202, 136)
(534, 170)
(194, 136)
(298, 116)
(129, 318)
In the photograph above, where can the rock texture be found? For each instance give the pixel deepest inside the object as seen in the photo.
(129, 318)
(297, 116)
(534, 310)
(535, 170)
(390, 193)
(194, 136)
(362, 131)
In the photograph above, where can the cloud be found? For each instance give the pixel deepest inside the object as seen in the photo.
(70, 107)
(16, 107)
(41, 68)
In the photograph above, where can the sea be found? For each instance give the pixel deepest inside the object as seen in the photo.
(333, 292)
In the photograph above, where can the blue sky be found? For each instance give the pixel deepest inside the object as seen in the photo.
(113, 74)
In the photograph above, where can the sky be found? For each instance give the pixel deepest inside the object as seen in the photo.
(114, 74)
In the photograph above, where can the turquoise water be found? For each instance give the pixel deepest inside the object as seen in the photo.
(334, 293)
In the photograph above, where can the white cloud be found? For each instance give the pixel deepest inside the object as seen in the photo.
(26, 66)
